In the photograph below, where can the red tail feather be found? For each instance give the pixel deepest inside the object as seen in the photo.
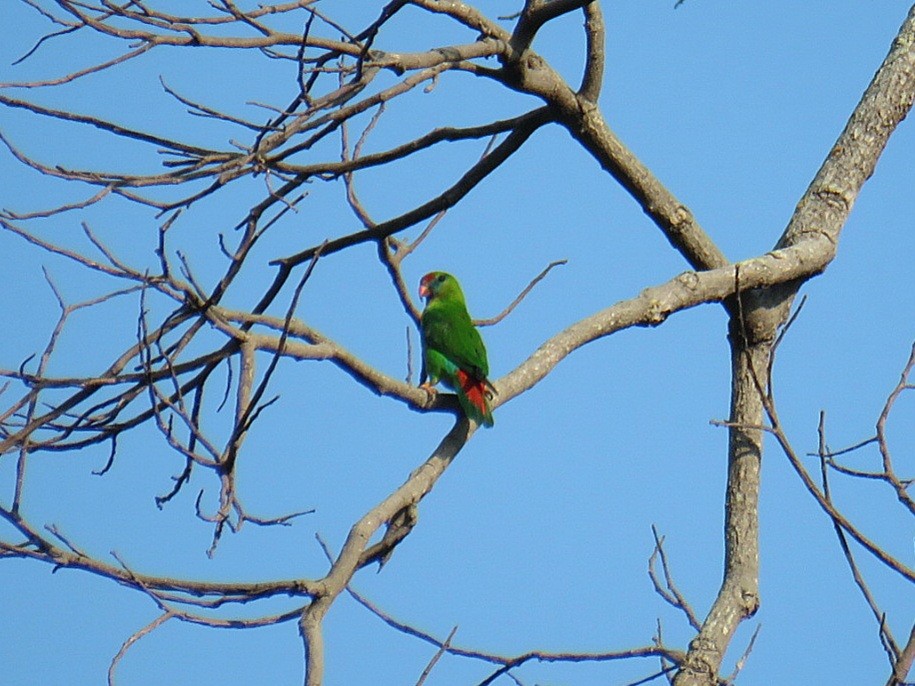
(474, 390)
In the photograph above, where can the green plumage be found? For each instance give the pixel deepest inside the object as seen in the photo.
(453, 350)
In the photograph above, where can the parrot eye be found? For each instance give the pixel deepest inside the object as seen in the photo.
(441, 278)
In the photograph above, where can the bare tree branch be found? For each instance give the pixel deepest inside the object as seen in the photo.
(668, 591)
(192, 321)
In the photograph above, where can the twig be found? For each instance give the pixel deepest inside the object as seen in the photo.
(133, 638)
(669, 591)
(886, 636)
(739, 665)
(903, 665)
(435, 658)
(666, 671)
(504, 313)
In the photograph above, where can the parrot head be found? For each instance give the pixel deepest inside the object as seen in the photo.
(439, 285)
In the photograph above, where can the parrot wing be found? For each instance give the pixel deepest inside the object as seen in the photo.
(450, 333)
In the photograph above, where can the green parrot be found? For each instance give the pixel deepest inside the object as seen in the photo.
(453, 351)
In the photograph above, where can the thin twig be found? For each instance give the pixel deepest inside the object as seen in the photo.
(669, 591)
(133, 638)
(527, 289)
(435, 658)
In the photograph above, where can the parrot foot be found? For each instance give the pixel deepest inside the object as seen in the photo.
(431, 392)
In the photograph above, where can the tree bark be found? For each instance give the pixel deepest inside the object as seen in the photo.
(738, 598)
(754, 322)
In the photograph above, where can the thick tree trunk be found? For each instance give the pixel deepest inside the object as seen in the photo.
(821, 213)
(738, 598)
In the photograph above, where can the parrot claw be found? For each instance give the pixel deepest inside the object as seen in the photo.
(431, 392)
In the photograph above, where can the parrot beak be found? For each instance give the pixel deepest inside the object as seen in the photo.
(423, 290)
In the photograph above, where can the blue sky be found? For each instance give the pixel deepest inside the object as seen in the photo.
(539, 534)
